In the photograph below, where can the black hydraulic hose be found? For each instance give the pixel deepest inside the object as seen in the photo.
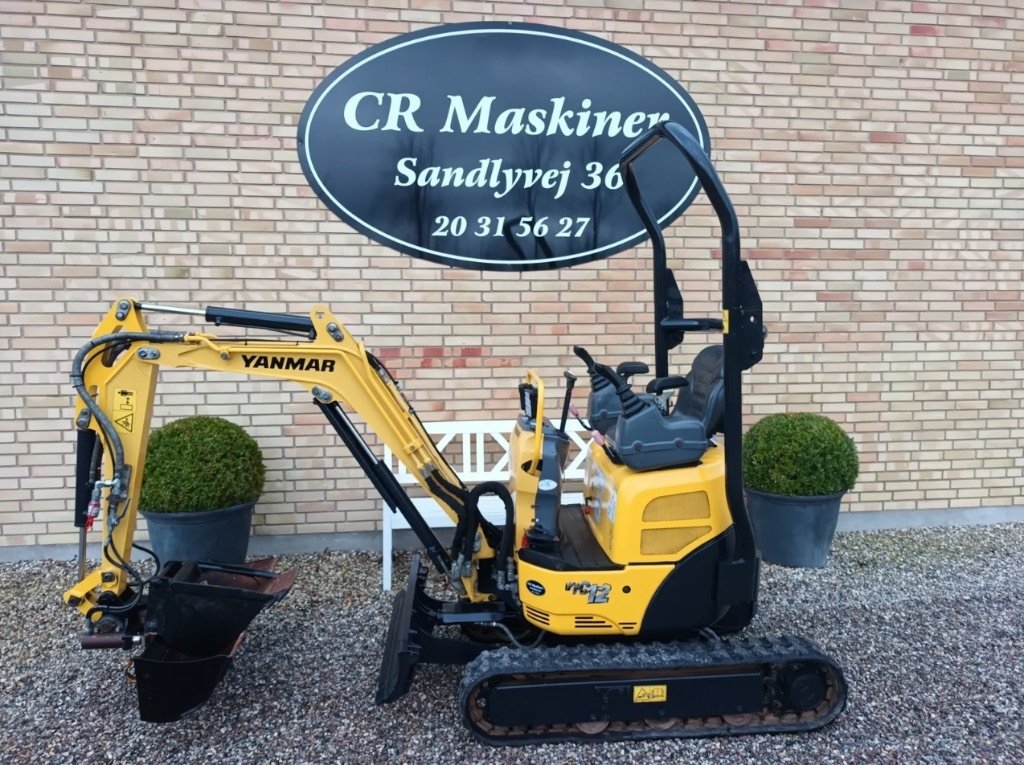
(491, 533)
(472, 523)
(509, 532)
(458, 490)
(458, 499)
(115, 445)
(78, 381)
(477, 518)
(504, 548)
(151, 553)
(455, 495)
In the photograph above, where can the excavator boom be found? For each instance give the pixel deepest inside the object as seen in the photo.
(188, 617)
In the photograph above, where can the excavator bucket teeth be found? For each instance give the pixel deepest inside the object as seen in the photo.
(195, 619)
(410, 622)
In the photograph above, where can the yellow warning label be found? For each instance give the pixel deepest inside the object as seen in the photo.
(646, 694)
(124, 409)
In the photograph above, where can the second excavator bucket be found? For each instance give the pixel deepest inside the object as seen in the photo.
(195, 619)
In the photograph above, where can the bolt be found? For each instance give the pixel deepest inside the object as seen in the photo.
(108, 577)
(322, 395)
(74, 600)
(335, 331)
(122, 309)
(148, 354)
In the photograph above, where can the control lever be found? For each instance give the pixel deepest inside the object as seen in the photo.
(570, 381)
(576, 415)
(627, 369)
(597, 382)
(661, 384)
(631, 403)
(584, 356)
(662, 388)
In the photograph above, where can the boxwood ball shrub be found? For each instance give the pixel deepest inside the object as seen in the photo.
(799, 455)
(200, 463)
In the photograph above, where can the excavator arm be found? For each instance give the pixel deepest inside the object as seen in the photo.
(116, 376)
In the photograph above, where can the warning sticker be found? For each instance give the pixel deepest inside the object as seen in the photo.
(647, 694)
(124, 409)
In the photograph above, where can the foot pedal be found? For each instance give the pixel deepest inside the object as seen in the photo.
(195, 619)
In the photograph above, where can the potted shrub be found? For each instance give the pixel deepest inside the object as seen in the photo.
(796, 468)
(202, 478)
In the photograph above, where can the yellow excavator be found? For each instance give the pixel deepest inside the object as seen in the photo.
(609, 619)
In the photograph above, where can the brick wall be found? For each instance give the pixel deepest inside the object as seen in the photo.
(874, 152)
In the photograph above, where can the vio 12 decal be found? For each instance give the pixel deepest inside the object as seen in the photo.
(596, 593)
(495, 145)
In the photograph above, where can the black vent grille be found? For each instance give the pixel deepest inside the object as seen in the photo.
(536, 615)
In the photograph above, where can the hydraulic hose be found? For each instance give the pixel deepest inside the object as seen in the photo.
(78, 381)
(508, 532)
(116, 496)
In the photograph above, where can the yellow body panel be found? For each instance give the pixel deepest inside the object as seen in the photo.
(646, 522)
(658, 516)
(524, 480)
(588, 602)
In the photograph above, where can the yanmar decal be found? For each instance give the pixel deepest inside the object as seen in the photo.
(300, 363)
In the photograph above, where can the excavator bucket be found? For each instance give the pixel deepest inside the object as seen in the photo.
(195, 619)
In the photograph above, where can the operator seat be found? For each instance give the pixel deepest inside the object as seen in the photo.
(649, 440)
(704, 396)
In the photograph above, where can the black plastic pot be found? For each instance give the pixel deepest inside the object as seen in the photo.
(212, 535)
(794, 531)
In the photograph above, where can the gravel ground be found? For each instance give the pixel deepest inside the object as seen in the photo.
(929, 626)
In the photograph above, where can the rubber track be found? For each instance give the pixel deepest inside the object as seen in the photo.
(631, 659)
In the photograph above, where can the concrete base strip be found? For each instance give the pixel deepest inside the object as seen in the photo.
(405, 540)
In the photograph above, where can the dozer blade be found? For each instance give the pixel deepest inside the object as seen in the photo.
(195, 620)
(401, 647)
(411, 638)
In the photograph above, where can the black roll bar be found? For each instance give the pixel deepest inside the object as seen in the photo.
(742, 330)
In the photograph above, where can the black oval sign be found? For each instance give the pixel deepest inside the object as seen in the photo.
(495, 145)
(535, 587)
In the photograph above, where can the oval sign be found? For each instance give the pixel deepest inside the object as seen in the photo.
(495, 145)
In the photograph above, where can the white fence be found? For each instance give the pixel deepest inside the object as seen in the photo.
(478, 452)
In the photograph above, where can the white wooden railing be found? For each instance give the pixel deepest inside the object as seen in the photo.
(478, 451)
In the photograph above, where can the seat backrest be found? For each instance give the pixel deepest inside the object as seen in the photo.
(704, 397)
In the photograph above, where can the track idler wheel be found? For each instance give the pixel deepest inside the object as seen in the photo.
(802, 687)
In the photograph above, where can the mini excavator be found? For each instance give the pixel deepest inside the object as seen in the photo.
(609, 619)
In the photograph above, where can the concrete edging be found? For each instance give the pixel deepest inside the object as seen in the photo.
(405, 540)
